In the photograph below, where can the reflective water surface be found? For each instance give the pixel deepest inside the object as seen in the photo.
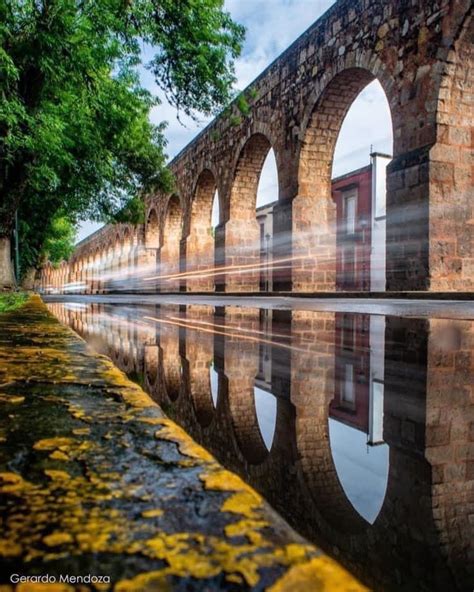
(357, 428)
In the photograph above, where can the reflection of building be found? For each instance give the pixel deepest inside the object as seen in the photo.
(359, 373)
(360, 214)
(263, 379)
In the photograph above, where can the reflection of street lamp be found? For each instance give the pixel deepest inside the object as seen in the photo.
(267, 254)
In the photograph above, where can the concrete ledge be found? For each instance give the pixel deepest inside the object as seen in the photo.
(94, 479)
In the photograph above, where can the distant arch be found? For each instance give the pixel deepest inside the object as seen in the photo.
(152, 230)
(171, 245)
(200, 250)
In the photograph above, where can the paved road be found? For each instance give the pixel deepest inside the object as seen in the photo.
(455, 309)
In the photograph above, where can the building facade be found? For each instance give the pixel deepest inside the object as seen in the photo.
(360, 198)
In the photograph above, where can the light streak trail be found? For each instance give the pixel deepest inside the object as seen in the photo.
(244, 268)
(252, 339)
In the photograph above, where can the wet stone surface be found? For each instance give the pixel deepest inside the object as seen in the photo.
(94, 479)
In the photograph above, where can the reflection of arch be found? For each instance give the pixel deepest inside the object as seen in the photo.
(151, 361)
(214, 382)
(200, 386)
(362, 470)
(172, 374)
(319, 473)
(200, 242)
(240, 371)
(266, 411)
(313, 382)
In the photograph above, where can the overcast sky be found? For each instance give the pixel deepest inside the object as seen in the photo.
(272, 25)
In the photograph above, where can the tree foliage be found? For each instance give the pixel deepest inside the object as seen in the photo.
(75, 133)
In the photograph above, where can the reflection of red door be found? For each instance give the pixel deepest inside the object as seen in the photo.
(352, 393)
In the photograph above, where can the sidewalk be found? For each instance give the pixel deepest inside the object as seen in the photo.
(97, 484)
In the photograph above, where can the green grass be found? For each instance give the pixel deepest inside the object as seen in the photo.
(12, 300)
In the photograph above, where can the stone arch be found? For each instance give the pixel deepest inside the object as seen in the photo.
(108, 262)
(126, 250)
(242, 231)
(97, 272)
(170, 253)
(152, 230)
(313, 210)
(200, 241)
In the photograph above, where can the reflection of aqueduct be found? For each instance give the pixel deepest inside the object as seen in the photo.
(422, 56)
(427, 416)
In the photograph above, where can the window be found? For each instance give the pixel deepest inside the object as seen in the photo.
(350, 204)
(348, 393)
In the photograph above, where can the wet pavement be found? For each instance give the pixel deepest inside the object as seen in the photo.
(96, 482)
(408, 307)
(357, 428)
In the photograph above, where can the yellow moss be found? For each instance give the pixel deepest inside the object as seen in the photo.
(295, 553)
(246, 528)
(52, 443)
(152, 513)
(94, 541)
(223, 480)
(10, 478)
(11, 482)
(57, 475)
(319, 574)
(9, 549)
(12, 399)
(57, 538)
(173, 433)
(81, 431)
(151, 420)
(234, 578)
(58, 455)
(244, 503)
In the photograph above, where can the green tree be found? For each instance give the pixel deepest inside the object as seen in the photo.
(75, 132)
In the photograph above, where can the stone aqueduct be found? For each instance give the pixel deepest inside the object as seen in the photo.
(421, 53)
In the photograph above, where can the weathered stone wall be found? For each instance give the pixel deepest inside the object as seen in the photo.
(421, 52)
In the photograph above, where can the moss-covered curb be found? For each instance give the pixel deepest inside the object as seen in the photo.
(12, 300)
(95, 480)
